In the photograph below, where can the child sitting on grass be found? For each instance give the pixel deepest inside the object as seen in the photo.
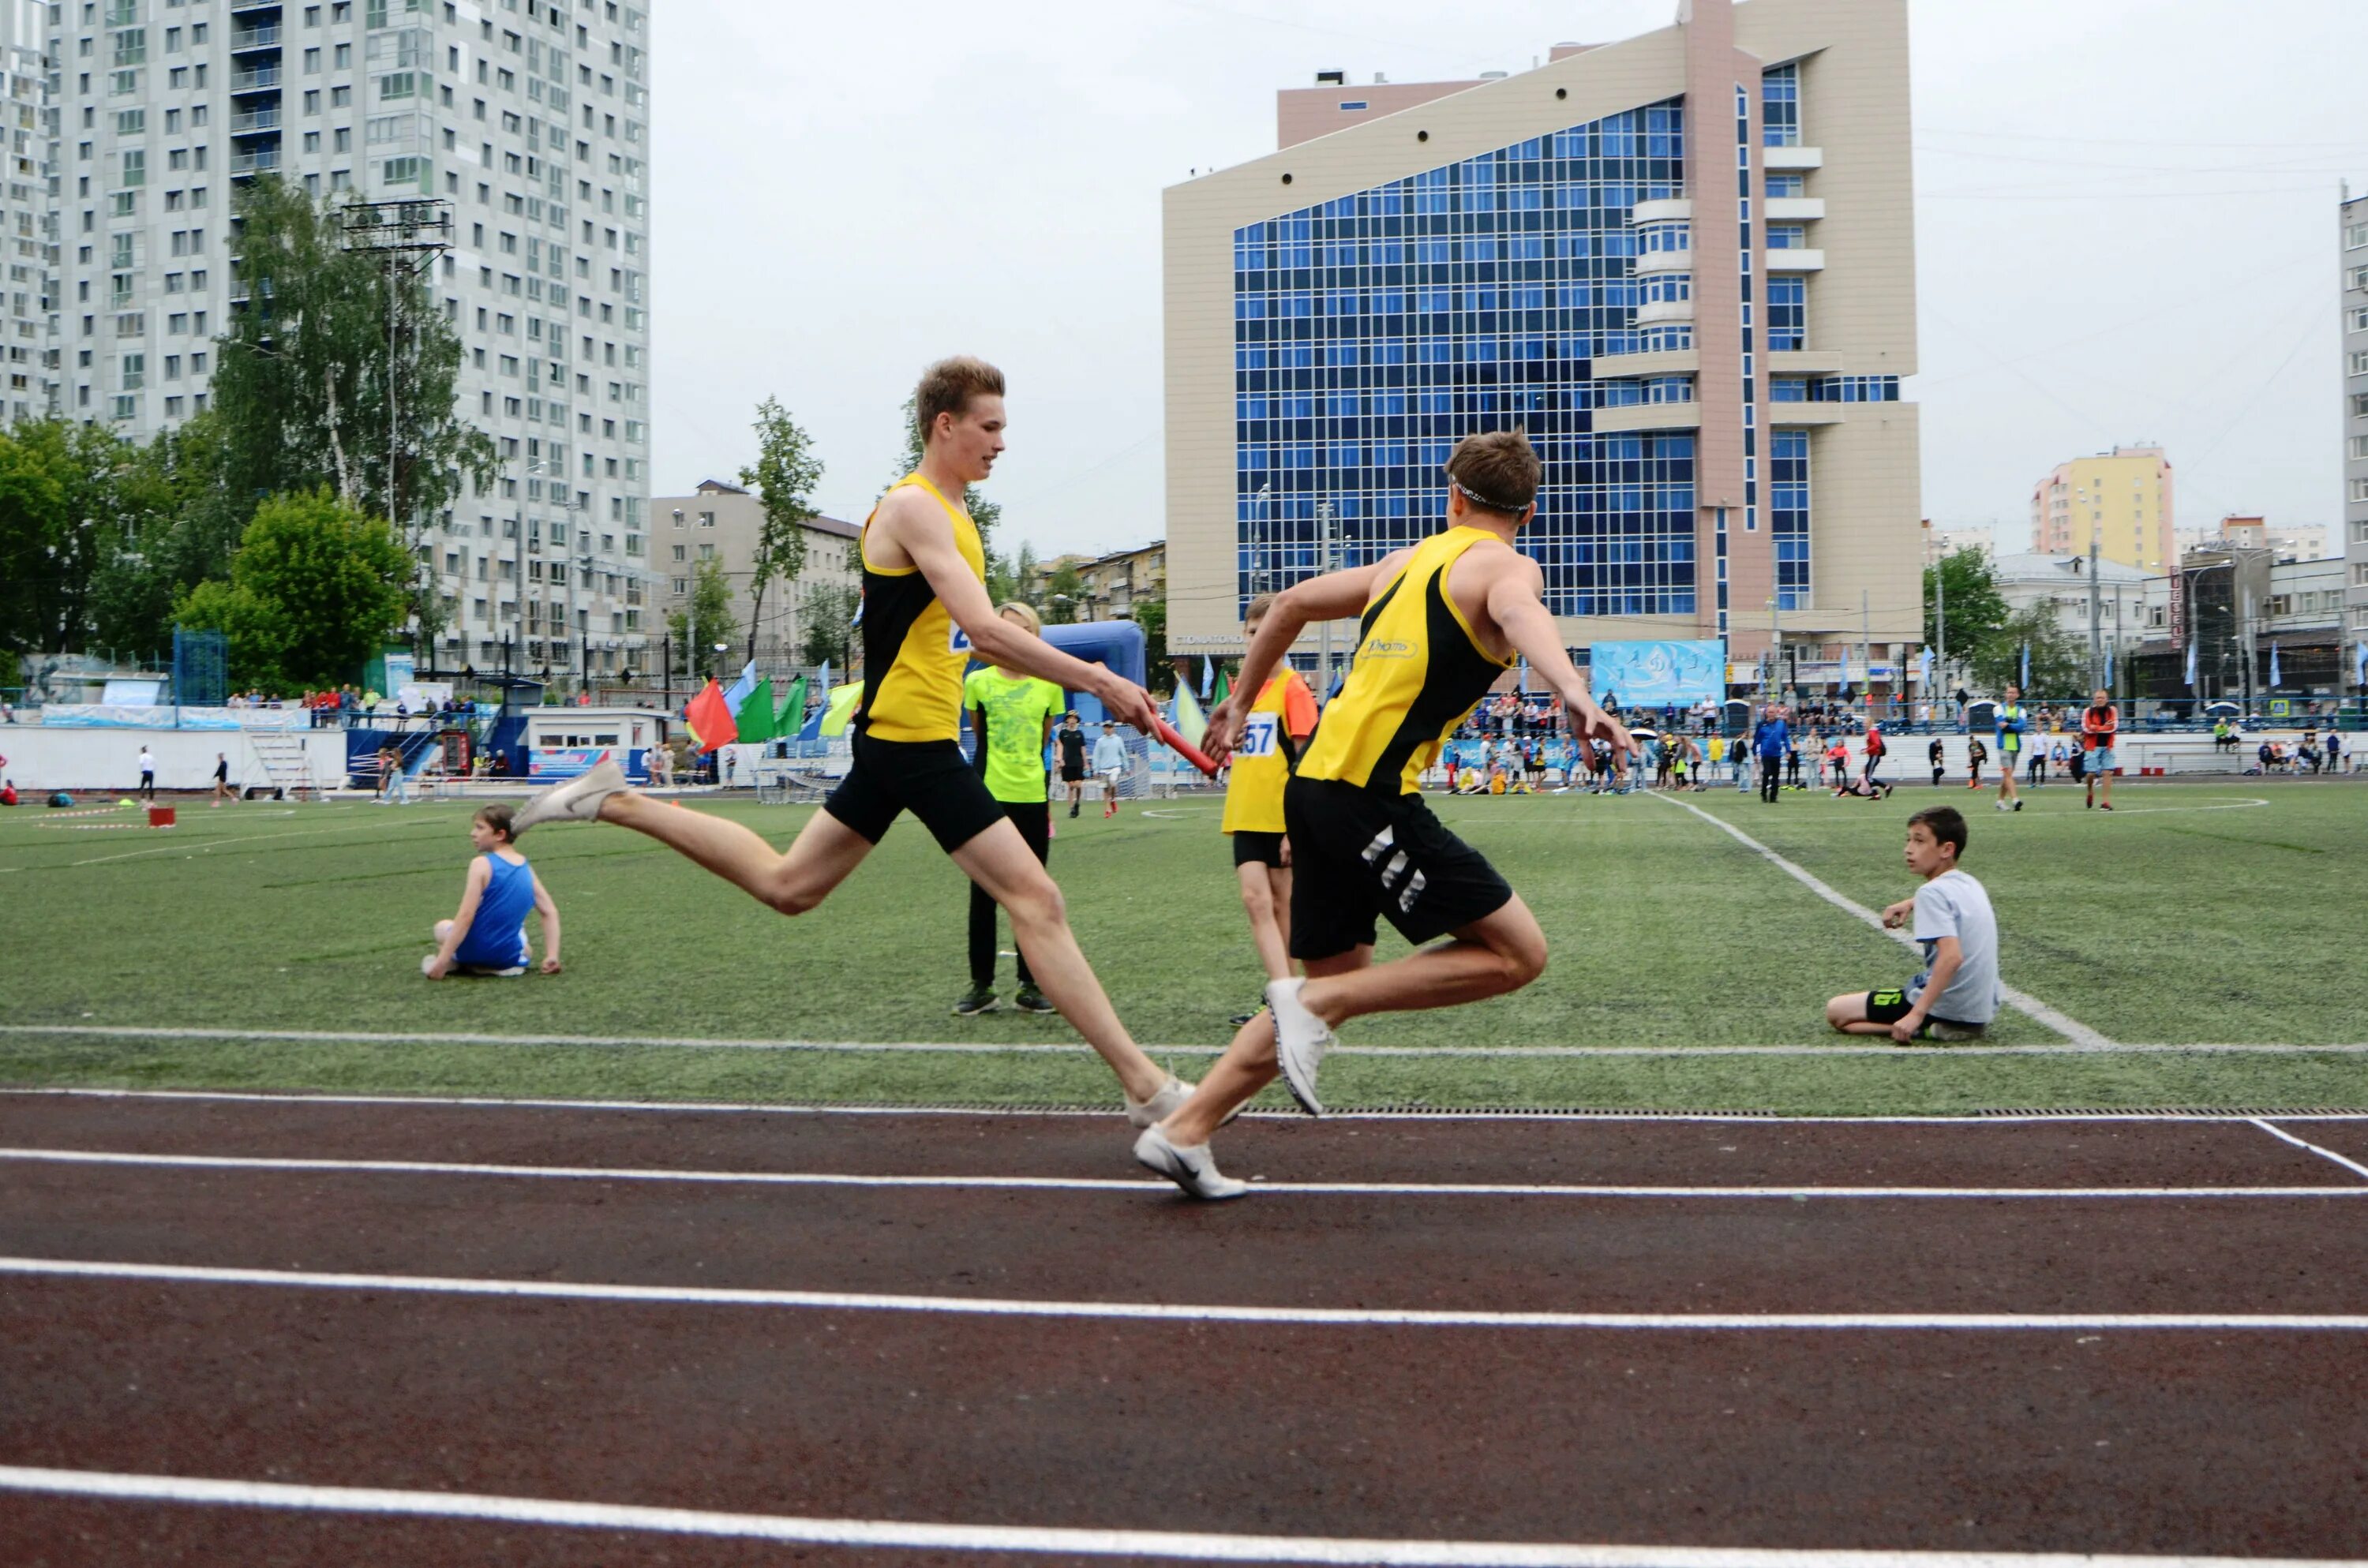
(487, 934)
(1957, 996)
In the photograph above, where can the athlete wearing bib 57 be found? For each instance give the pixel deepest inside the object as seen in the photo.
(926, 610)
(1441, 622)
(1280, 719)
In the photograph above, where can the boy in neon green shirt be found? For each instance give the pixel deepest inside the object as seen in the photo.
(1011, 716)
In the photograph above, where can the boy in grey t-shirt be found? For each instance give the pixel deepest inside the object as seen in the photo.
(1957, 994)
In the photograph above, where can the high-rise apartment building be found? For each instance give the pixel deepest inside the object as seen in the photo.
(2120, 498)
(28, 238)
(532, 119)
(2353, 223)
(1684, 263)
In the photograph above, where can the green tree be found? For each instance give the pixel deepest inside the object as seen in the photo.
(55, 532)
(301, 379)
(783, 476)
(1023, 576)
(176, 524)
(826, 625)
(2059, 664)
(1152, 615)
(315, 588)
(709, 614)
(1063, 592)
(1977, 610)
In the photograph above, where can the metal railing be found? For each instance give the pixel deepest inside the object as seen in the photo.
(255, 80)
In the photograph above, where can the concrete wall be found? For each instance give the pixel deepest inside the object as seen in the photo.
(40, 758)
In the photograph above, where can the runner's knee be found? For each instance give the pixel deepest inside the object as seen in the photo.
(1257, 899)
(1038, 905)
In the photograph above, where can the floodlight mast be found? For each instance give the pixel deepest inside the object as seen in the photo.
(406, 237)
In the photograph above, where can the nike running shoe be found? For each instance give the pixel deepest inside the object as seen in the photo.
(1191, 1168)
(1032, 1000)
(1301, 1043)
(578, 800)
(976, 1000)
(1165, 1103)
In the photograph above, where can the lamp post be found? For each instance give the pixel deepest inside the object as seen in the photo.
(1775, 649)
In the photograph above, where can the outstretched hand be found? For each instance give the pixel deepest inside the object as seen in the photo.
(1225, 730)
(1132, 706)
(1588, 721)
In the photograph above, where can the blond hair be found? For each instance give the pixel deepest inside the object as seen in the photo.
(1025, 614)
(948, 387)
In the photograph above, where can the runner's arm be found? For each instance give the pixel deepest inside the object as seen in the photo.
(549, 909)
(929, 538)
(1516, 604)
(1335, 595)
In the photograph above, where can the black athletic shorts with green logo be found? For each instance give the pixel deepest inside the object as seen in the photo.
(1890, 1006)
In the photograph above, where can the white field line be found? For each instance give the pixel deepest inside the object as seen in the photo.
(1167, 1312)
(2242, 803)
(1022, 1048)
(742, 1107)
(194, 847)
(1141, 1186)
(2071, 1028)
(896, 1534)
(2354, 1166)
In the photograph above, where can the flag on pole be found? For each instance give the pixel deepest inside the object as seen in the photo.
(841, 709)
(792, 716)
(754, 717)
(1208, 674)
(711, 719)
(1924, 669)
(812, 729)
(737, 692)
(2191, 666)
(2026, 663)
(2109, 666)
(2276, 679)
(1190, 722)
(1225, 683)
(2359, 663)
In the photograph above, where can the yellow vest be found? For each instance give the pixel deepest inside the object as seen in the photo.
(1262, 764)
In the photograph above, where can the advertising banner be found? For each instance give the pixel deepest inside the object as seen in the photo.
(1653, 675)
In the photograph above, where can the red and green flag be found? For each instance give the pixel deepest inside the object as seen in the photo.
(711, 719)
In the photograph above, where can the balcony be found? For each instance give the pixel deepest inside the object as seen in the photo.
(1668, 362)
(1795, 208)
(262, 80)
(1802, 362)
(1686, 415)
(248, 165)
(1664, 261)
(255, 37)
(240, 7)
(1656, 311)
(255, 121)
(1792, 160)
(1679, 210)
(1800, 414)
(1796, 260)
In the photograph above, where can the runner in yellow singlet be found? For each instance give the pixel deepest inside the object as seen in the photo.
(1279, 722)
(1441, 622)
(925, 612)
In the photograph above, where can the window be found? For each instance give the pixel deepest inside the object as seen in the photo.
(2360, 489)
(1787, 236)
(1783, 186)
(2358, 320)
(2356, 449)
(1779, 101)
(2355, 235)
(2358, 364)
(1787, 315)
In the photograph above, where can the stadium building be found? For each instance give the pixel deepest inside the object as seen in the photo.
(1683, 262)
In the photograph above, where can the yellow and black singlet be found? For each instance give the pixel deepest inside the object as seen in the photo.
(1418, 671)
(914, 654)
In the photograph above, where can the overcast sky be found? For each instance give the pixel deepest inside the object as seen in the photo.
(2126, 226)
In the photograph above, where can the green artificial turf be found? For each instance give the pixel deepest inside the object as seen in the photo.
(2166, 922)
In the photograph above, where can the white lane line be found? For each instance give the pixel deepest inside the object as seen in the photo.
(2354, 1166)
(195, 846)
(1145, 1185)
(742, 1108)
(1167, 1312)
(2071, 1028)
(2240, 803)
(975, 1048)
(897, 1534)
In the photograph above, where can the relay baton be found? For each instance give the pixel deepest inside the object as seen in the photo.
(1185, 749)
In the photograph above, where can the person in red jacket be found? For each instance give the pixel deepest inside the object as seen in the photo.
(2100, 725)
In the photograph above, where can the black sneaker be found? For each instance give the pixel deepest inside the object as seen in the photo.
(976, 1000)
(1032, 1000)
(1241, 1019)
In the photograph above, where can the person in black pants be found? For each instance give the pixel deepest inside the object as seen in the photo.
(1937, 757)
(1772, 741)
(1010, 720)
(1073, 760)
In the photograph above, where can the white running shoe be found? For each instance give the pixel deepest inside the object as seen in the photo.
(578, 800)
(1165, 1102)
(1192, 1169)
(1301, 1041)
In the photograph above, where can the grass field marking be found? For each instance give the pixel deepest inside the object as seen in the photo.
(195, 846)
(1089, 1184)
(745, 1108)
(1175, 1312)
(2238, 803)
(1027, 1048)
(907, 1535)
(2071, 1028)
(2354, 1166)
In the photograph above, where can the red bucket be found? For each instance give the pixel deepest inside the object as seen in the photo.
(160, 816)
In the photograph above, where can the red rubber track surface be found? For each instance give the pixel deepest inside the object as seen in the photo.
(2235, 1441)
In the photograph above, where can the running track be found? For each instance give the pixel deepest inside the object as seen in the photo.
(1655, 1337)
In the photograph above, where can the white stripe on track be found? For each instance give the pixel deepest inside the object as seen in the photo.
(979, 1047)
(2354, 1166)
(745, 1108)
(1167, 1312)
(2071, 1028)
(896, 1534)
(1141, 1186)
(195, 846)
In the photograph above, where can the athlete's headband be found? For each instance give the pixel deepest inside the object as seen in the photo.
(1481, 501)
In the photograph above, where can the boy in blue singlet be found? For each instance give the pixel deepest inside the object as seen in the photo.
(487, 934)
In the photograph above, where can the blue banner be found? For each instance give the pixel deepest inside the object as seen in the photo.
(1653, 675)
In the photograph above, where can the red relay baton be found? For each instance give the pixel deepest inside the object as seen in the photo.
(1185, 749)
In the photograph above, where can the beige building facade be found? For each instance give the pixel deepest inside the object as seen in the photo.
(722, 522)
(1709, 362)
(2120, 498)
(1109, 586)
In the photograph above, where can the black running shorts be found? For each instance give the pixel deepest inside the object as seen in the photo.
(1361, 854)
(1890, 1006)
(932, 780)
(1256, 848)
